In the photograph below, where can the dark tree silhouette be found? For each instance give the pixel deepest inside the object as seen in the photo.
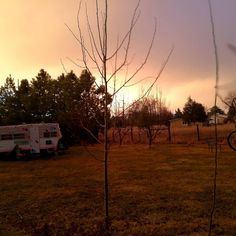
(178, 113)
(216, 109)
(70, 100)
(193, 112)
(230, 101)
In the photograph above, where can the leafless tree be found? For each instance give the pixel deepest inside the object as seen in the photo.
(152, 115)
(97, 55)
(215, 103)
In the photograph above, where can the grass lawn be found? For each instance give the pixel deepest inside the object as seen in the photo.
(163, 190)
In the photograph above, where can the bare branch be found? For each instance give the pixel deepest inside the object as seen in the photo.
(131, 85)
(160, 72)
(115, 66)
(91, 154)
(128, 34)
(75, 63)
(90, 132)
(84, 50)
(80, 40)
(64, 68)
(154, 82)
(95, 59)
(143, 63)
(82, 67)
(105, 33)
(127, 67)
(98, 26)
(93, 44)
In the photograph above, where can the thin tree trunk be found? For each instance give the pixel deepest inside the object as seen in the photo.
(106, 189)
(216, 129)
(169, 133)
(149, 136)
(98, 54)
(132, 134)
(198, 134)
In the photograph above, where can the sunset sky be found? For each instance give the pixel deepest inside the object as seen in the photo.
(34, 36)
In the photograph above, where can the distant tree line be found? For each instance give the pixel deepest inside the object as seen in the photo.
(195, 112)
(77, 104)
(74, 102)
(149, 114)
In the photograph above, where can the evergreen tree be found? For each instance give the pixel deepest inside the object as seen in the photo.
(178, 113)
(193, 112)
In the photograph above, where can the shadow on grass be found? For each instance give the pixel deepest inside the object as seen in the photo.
(44, 156)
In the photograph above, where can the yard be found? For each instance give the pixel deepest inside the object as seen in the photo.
(162, 190)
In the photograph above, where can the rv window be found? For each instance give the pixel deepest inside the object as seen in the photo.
(49, 134)
(6, 137)
(48, 142)
(19, 136)
(46, 134)
(53, 134)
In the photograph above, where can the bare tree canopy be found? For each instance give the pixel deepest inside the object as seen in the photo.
(98, 55)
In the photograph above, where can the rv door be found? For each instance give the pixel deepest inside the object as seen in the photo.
(34, 139)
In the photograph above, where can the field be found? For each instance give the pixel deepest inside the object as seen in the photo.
(162, 190)
(179, 135)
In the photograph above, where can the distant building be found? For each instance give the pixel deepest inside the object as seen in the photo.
(220, 119)
(176, 122)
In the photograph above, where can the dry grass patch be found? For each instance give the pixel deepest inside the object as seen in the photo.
(163, 190)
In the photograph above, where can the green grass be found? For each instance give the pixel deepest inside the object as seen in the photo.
(163, 190)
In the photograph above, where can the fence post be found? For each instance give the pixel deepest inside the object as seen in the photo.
(198, 134)
(169, 133)
(132, 134)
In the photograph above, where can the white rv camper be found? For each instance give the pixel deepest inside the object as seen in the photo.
(21, 140)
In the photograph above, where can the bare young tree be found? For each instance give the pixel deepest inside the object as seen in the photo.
(215, 126)
(97, 55)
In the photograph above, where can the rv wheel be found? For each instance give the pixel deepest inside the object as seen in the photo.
(231, 139)
(15, 153)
